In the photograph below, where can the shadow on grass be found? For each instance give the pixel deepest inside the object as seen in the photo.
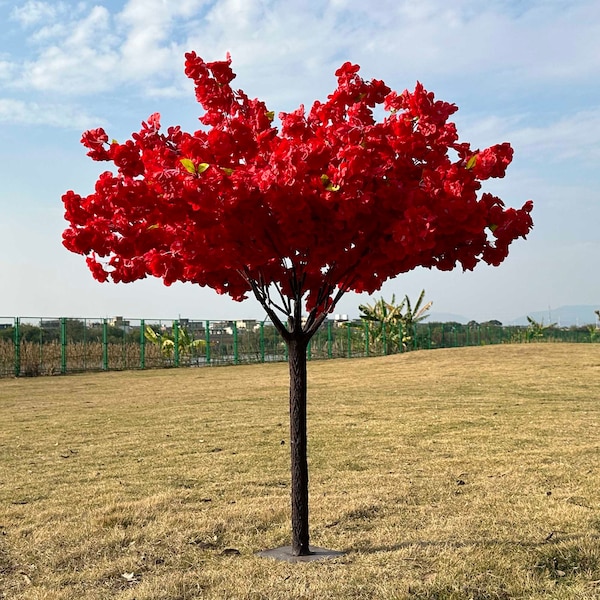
(558, 542)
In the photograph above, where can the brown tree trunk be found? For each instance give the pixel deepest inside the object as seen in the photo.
(297, 347)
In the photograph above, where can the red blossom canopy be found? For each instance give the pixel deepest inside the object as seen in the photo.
(332, 201)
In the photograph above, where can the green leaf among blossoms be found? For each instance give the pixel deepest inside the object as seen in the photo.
(472, 161)
(189, 165)
(330, 187)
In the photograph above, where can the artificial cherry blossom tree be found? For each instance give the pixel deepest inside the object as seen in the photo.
(334, 200)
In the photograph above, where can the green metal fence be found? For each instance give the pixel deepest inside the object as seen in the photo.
(43, 346)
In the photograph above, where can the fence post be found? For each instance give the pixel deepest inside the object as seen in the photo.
(235, 343)
(176, 343)
(142, 344)
(262, 341)
(329, 339)
(124, 364)
(367, 335)
(85, 344)
(105, 345)
(207, 340)
(41, 347)
(349, 336)
(17, 347)
(63, 345)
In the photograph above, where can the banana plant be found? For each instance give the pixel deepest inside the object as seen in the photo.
(594, 332)
(166, 342)
(537, 329)
(387, 317)
(413, 316)
(395, 322)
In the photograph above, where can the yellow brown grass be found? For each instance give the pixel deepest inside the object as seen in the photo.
(451, 474)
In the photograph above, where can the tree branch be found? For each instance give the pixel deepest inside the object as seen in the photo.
(263, 298)
(313, 324)
(287, 306)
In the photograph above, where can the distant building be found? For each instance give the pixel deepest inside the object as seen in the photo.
(340, 320)
(120, 323)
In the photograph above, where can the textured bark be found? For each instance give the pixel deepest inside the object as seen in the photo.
(297, 347)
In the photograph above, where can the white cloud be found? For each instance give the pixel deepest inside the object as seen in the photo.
(464, 45)
(468, 39)
(91, 30)
(31, 113)
(576, 136)
(99, 50)
(49, 32)
(6, 69)
(146, 27)
(34, 12)
(171, 91)
(400, 41)
(555, 139)
(83, 62)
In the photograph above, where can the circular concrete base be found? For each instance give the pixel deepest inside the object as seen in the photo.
(285, 553)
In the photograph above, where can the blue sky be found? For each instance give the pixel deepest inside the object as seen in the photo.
(527, 72)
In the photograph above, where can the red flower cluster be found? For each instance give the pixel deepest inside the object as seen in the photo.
(332, 201)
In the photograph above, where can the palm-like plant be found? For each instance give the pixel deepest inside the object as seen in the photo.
(388, 319)
(413, 316)
(166, 342)
(537, 329)
(395, 322)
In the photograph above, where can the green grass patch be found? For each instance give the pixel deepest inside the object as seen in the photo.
(453, 474)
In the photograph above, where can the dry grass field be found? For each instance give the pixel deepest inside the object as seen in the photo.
(470, 473)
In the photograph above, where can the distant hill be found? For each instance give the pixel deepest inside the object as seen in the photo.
(564, 316)
(438, 317)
